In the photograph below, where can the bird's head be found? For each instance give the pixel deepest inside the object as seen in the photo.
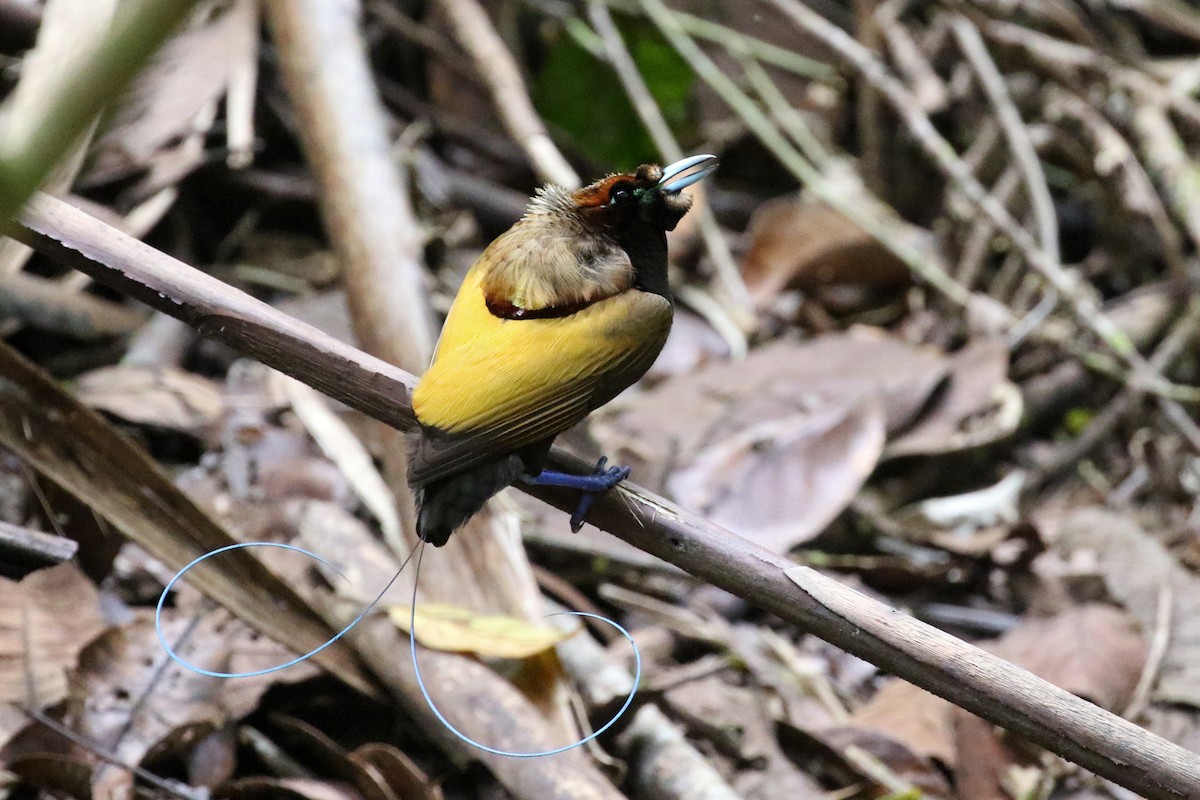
(574, 248)
(651, 195)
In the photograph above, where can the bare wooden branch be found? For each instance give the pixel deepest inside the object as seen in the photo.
(995, 690)
(666, 765)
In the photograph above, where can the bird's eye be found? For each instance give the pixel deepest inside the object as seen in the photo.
(620, 194)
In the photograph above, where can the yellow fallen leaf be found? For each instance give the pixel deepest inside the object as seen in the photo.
(457, 630)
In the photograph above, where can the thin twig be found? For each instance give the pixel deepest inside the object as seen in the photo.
(1181, 335)
(44, 304)
(20, 544)
(656, 125)
(1165, 154)
(909, 244)
(981, 683)
(785, 114)
(1113, 153)
(1014, 131)
(631, 79)
(1061, 58)
(1081, 304)
(926, 84)
(741, 44)
(978, 241)
(474, 31)
(1174, 15)
(1160, 641)
(171, 787)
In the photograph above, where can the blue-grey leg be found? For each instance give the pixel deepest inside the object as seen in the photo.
(592, 486)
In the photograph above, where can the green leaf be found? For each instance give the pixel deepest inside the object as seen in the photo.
(581, 96)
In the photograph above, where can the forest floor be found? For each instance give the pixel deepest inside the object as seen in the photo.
(935, 336)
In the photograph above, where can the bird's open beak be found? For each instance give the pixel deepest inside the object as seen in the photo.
(696, 168)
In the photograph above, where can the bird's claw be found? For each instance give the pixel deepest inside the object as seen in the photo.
(607, 477)
(590, 486)
(610, 477)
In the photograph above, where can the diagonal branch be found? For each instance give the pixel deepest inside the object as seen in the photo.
(977, 681)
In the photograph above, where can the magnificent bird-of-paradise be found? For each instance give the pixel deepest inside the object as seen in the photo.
(559, 315)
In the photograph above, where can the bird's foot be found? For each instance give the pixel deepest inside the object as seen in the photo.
(591, 486)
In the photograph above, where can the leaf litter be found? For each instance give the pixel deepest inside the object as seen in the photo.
(906, 440)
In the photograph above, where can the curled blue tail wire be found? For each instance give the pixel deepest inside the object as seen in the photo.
(419, 552)
(637, 679)
(178, 659)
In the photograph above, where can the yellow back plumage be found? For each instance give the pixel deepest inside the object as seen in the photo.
(499, 384)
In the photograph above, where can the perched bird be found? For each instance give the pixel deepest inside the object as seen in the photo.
(559, 315)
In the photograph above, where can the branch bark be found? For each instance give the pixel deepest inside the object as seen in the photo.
(981, 683)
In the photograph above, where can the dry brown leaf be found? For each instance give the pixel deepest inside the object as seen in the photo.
(682, 415)
(287, 789)
(214, 758)
(988, 758)
(822, 407)
(129, 700)
(45, 622)
(51, 771)
(913, 716)
(310, 746)
(801, 243)
(896, 756)
(750, 481)
(378, 771)
(1094, 651)
(81, 452)
(161, 123)
(163, 397)
(979, 406)
(1110, 542)
(397, 771)
(458, 630)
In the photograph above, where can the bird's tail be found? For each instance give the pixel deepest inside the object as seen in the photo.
(445, 504)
